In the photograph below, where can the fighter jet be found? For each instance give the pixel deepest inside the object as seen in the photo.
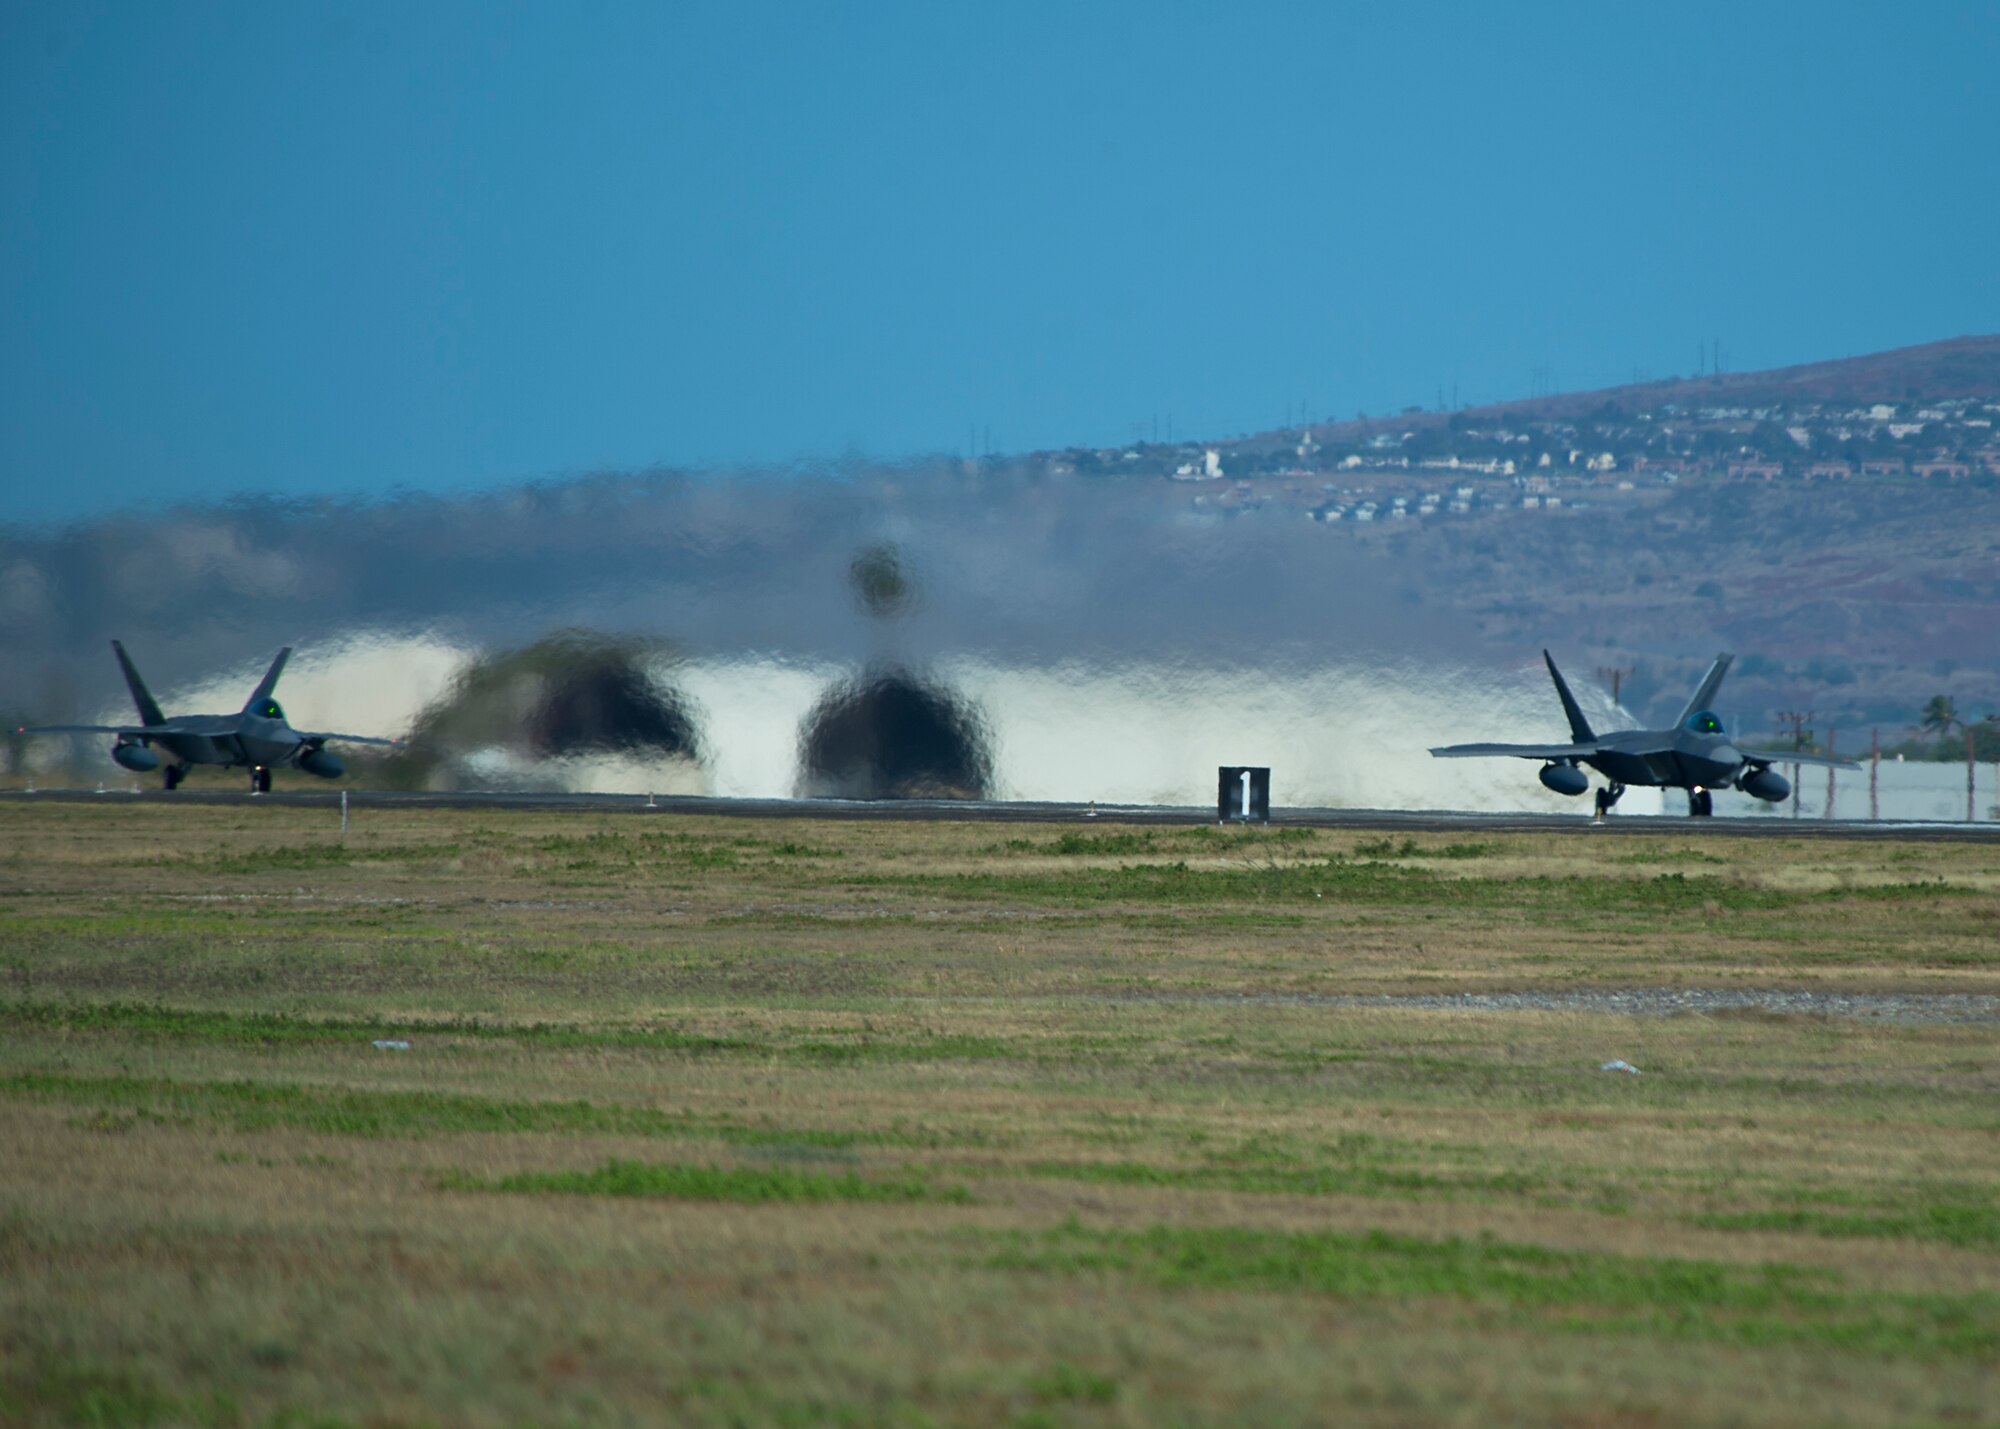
(1694, 755)
(255, 737)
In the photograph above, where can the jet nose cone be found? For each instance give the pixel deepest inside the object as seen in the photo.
(1726, 754)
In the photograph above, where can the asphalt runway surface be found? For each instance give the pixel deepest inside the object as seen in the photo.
(996, 811)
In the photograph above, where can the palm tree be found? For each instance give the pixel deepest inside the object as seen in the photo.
(1940, 716)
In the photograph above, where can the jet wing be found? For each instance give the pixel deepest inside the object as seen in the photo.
(1761, 757)
(132, 729)
(1519, 751)
(314, 737)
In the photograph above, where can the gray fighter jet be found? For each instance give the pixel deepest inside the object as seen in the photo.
(1694, 755)
(256, 737)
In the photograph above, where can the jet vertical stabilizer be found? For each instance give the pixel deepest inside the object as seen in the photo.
(1704, 693)
(142, 698)
(1579, 727)
(270, 681)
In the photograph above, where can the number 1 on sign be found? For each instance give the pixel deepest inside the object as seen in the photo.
(1245, 776)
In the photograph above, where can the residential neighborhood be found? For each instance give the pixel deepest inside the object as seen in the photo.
(1462, 464)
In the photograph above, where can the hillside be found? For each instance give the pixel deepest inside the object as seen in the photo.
(1839, 522)
(1959, 367)
(1923, 411)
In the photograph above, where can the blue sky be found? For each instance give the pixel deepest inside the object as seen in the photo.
(316, 248)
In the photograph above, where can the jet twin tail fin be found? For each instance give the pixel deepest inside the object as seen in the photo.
(149, 708)
(1579, 727)
(1704, 693)
(270, 681)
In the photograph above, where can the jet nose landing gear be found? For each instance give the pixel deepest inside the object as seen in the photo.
(260, 779)
(1701, 803)
(1607, 800)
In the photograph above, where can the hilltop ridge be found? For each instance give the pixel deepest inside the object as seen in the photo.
(1927, 410)
(1955, 367)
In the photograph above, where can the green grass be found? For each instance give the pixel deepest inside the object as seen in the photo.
(65, 1391)
(1669, 855)
(263, 1029)
(298, 858)
(1410, 848)
(250, 1106)
(752, 1185)
(1595, 1293)
(1969, 1225)
(1290, 1180)
(260, 1029)
(1341, 881)
(1203, 838)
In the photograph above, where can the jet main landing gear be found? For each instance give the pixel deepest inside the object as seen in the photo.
(1701, 803)
(1607, 800)
(171, 777)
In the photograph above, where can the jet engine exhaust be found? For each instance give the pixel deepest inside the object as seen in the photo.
(893, 735)
(575, 695)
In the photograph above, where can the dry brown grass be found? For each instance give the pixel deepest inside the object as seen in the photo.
(221, 1202)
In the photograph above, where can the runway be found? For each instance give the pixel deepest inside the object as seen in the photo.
(1399, 821)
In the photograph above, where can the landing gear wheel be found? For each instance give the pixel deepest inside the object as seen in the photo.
(1608, 797)
(171, 777)
(260, 780)
(1701, 803)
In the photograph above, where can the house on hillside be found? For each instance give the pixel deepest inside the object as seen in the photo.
(1756, 470)
(1210, 468)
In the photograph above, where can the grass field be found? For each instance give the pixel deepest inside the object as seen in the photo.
(715, 1122)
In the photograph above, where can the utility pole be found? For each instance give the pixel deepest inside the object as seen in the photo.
(1801, 737)
(1971, 772)
(1874, 772)
(1615, 677)
(1831, 734)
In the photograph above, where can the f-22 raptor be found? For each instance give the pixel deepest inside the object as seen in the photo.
(1694, 755)
(255, 737)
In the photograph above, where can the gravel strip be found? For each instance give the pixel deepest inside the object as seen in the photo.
(1669, 1002)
